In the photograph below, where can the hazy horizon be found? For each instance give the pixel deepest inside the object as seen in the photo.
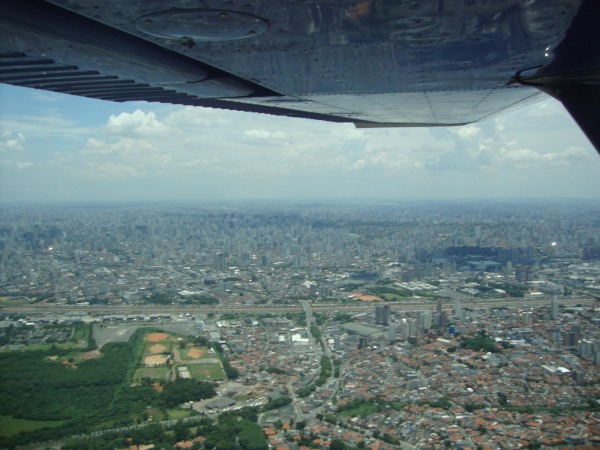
(61, 148)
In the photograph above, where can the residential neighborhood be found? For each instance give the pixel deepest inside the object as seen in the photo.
(435, 331)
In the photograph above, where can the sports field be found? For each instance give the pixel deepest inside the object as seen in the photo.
(158, 348)
(162, 352)
(158, 337)
(191, 353)
(154, 373)
(155, 360)
(205, 372)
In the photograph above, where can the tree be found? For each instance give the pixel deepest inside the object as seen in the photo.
(277, 403)
(183, 390)
(182, 432)
(502, 398)
(231, 372)
(201, 340)
(337, 444)
(480, 342)
(251, 436)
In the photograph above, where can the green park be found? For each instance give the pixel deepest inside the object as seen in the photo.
(58, 391)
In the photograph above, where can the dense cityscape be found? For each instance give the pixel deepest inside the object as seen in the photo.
(349, 325)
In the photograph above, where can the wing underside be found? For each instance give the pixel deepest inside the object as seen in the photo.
(372, 63)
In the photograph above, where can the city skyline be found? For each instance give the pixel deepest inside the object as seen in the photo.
(57, 147)
(374, 326)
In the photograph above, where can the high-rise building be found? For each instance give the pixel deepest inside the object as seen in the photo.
(440, 319)
(392, 331)
(412, 328)
(382, 314)
(459, 313)
(245, 258)
(264, 260)
(586, 347)
(522, 274)
(403, 329)
(425, 319)
(220, 262)
(557, 335)
(554, 309)
(337, 343)
(572, 337)
(362, 342)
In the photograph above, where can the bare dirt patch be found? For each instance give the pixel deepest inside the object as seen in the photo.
(157, 337)
(157, 348)
(68, 364)
(155, 360)
(196, 353)
(89, 355)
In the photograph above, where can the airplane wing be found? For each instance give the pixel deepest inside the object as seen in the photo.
(374, 63)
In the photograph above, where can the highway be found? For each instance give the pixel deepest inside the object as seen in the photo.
(412, 305)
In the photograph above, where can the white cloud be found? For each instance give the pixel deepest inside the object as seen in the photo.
(185, 150)
(547, 108)
(348, 132)
(12, 142)
(524, 158)
(94, 146)
(191, 117)
(577, 153)
(265, 134)
(110, 171)
(13, 150)
(466, 131)
(137, 123)
(43, 96)
(46, 125)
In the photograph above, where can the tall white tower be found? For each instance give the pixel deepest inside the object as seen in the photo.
(458, 310)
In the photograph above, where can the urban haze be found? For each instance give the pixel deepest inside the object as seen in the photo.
(352, 325)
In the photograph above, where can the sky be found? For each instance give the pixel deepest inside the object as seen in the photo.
(61, 148)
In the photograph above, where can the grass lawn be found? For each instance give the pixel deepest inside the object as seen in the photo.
(170, 414)
(82, 333)
(10, 426)
(15, 301)
(156, 373)
(61, 345)
(156, 414)
(361, 411)
(393, 297)
(207, 372)
(179, 413)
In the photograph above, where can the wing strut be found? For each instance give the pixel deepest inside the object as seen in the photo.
(573, 74)
(582, 99)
